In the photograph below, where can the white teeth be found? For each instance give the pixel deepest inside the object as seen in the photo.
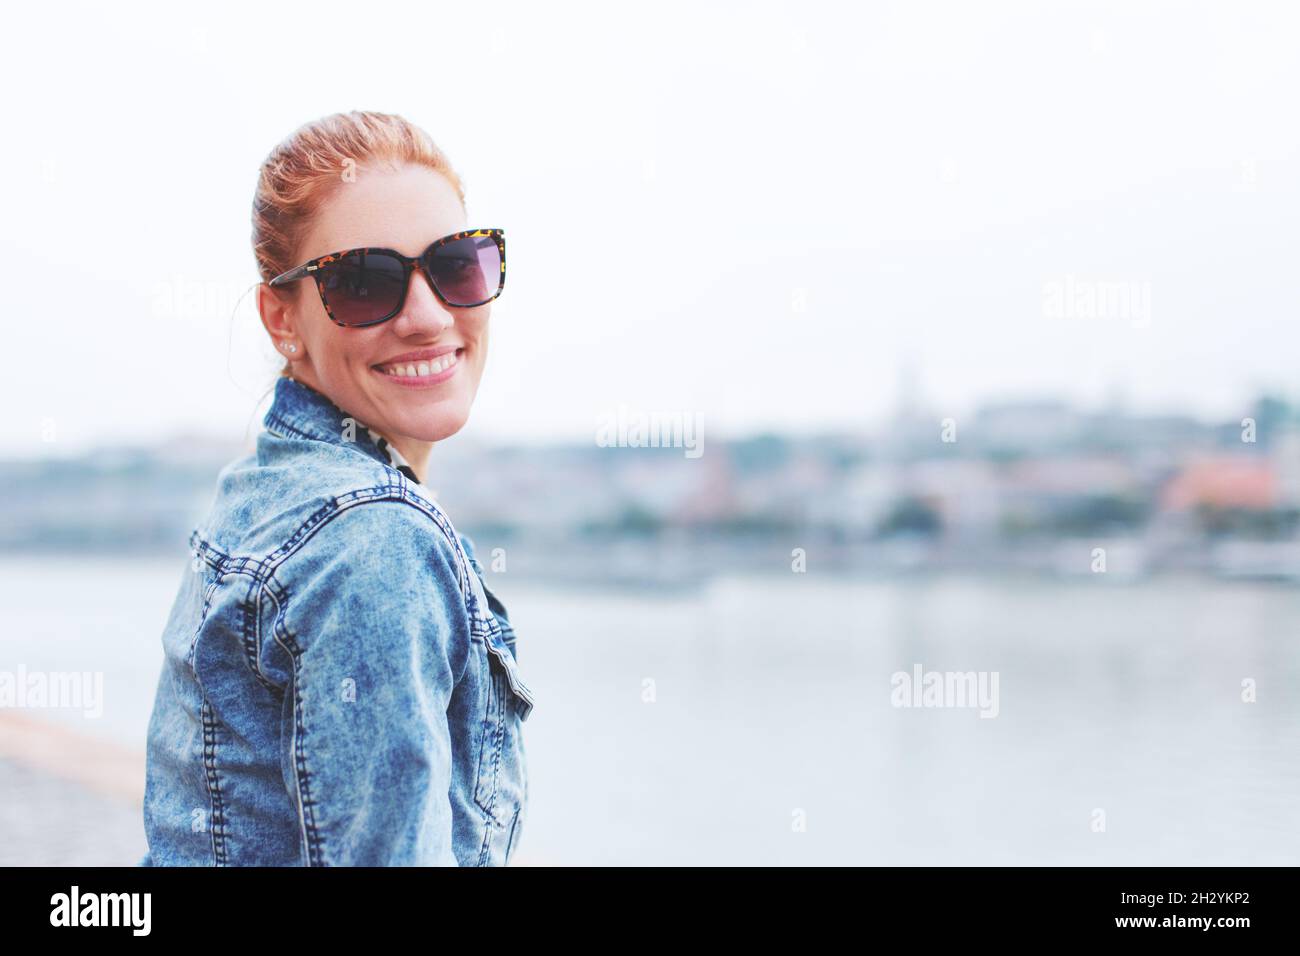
(421, 369)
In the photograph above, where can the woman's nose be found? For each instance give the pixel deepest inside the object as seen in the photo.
(423, 309)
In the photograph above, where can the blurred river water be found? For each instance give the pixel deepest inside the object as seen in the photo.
(754, 720)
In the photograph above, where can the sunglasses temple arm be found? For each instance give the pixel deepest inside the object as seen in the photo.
(290, 276)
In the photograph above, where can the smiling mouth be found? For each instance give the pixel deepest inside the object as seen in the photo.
(425, 369)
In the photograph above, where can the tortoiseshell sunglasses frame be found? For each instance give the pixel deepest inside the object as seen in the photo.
(313, 268)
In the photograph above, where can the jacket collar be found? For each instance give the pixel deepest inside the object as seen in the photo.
(299, 411)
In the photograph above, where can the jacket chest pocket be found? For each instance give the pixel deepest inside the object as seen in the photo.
(486, 628)
(501, 788)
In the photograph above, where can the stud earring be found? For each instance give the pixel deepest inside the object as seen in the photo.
(288, 346)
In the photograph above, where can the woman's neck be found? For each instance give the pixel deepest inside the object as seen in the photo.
(415, 451)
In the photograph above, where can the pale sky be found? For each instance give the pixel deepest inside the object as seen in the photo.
(768, 209)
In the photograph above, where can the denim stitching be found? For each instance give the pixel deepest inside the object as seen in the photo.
(510, 840)
(250, 610)
(208, 591)
(217, 820)
(315, 843)
(310, 837)
(497, 732)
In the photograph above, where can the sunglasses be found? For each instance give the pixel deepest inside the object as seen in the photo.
(361, 287)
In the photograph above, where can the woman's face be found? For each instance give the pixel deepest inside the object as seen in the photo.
(404, 210)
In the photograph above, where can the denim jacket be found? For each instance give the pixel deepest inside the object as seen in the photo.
(339, 686)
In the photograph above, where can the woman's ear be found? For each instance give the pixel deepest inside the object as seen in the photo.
(276, 311)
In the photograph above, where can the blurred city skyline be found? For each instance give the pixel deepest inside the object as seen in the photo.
(910, 408)
(1018, 486)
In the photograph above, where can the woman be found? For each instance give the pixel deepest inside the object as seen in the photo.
(339, 686)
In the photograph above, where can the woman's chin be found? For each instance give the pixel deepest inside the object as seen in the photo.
(435, 425)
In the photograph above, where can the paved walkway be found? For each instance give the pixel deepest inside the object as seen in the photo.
(67, 800)
(46, 820)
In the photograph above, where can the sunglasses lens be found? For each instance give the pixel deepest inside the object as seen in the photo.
(467, 271)
(362, 288)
